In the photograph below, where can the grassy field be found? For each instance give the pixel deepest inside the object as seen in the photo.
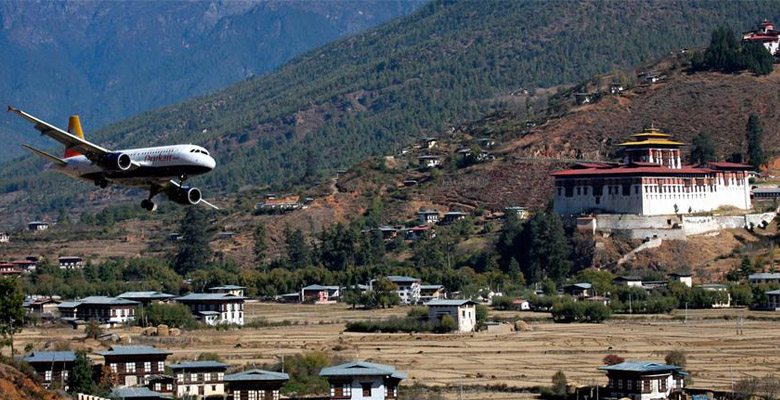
(518, 359)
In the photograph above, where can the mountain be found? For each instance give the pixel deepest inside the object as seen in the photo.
(108, 60)
(378, 90)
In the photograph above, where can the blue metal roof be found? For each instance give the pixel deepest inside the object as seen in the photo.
(640, 366)
(429, 287)
(765, 275)
(50, 356)
(209, 296)
(228, 287)
(105, 300)
(68, 304)
(257, 375)
(131, 350)
(320, 287)
(145, 295)
(449, 303)
(209, 364)
(362, 368)
(582, 285)
(402, 279)
(773, 292)
(138, 392)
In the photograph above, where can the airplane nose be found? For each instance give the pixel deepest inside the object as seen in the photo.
(210, 163)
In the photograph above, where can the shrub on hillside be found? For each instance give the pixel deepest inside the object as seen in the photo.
(390, 325)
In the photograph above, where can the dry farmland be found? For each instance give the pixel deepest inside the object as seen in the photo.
(519, 359)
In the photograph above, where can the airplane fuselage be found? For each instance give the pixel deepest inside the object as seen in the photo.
(157, 163)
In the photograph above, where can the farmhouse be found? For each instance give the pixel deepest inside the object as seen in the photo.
(628, 280)
(419, 233)
(685, 279)
(235, 290)
(764, 277)
(722, 298)
(432, 292)
(428, 216)
(429, 161)
(408, 288)
(428, 143)
(363, 380)
(147, 298)
(287, 203)
(71, 262)
(579, 290)
(639, 380)
(766, 35)
(104, 309)
(27, 265)
(134, 364)
(319, 294)
(772, 300)
(37, 226)
(52, 366)
(520, 305)
(463, 312)
(199, 379)
(765, 193)
(651, 181)
(255, 384)
(42, 306)
(9, 270)
(520, 213)
(215, 308)
(452, 216)
(138, 393)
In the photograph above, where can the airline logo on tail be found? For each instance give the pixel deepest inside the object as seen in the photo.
(74, 127)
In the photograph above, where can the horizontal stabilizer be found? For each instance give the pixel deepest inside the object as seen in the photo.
(45, 155)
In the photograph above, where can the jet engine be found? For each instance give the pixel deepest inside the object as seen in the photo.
(118, 162)
(188, 196)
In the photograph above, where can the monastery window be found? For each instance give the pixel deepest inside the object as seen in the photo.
(620, 384)
(585, 191)
(647, 386)
(662, 385)
(629, 384)
(578, 191)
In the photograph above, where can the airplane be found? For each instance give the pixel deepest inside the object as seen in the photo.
(156, 169)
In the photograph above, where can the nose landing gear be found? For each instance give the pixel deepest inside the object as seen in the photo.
(102, 182)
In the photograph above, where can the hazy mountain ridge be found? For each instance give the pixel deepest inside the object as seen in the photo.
(110, 60)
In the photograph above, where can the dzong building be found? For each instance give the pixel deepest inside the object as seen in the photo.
(651, 180)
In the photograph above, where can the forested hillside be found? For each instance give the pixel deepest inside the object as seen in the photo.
(415, 76)
(108, 60)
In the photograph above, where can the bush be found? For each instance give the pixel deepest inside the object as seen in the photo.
(676, 357)
(420, 313)
(612, 359)
(174, 315)
(446, 325)
(578, 311)
(502, 302)
(390, 325)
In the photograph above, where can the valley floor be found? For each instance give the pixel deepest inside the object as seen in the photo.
(518, 359)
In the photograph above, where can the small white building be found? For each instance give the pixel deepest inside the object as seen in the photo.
(38, 226)
(432, 292)
(772, 300)
(723, 298)
(4, 237)
(428, 143)
(685, 279)
(428, 216)
(235, 290)
(429, 161)
(199, 379)
(463, 312)
(71, 262)
(408, 288)
(628, 280)
(639, 380)
(362, 380)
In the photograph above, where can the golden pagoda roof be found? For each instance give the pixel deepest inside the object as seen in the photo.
(651, 136)
(649, 142)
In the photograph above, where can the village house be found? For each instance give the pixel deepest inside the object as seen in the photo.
(419, 233)
(37, 226)
(134, 364)
(616, 88)
(487, 142)
(765, 35)
(28, 265)
(9, 270)
(319, 294)
(764, 277)
(109, 310)
(52, 366)
(68, 309)
(255, 384)
(4, 237)
(428, 216)
(175, 237)
(46, 307)
(389, 233)
(287, 203)
(723, 298)
(772, 300)
(628, 280)
(579, 290)
(200, 379)
(71, 262)
(651, 181)
(161, 383)
(138, 393)
(520, 305)
(432, 292)
(146, 298)
(429, 161)
(639, 380)
(215, 308)
(428, 143)
(363, 380)
(684, 278)
(463, 312)
(408, 288)
(452, 216)
(235, 290)
(521, 213)
(226, 234)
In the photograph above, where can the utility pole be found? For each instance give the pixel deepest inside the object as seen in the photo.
(686, 313)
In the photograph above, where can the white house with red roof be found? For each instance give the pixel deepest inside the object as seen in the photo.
(651, 181)
(766, 35)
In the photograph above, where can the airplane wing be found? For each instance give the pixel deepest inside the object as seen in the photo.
(92, 151)
(176, 185)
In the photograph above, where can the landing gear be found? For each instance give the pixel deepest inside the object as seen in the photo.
(148, 205)
(182, 178)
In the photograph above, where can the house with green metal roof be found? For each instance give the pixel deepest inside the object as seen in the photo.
(642, 380)
(255, 384)
(104, 309)
(363, 380)
(147, 297)
(138, 393)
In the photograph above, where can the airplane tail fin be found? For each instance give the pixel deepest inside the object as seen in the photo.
(74, 127)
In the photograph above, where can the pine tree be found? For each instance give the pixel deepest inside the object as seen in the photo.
(11, 311)
(260, 247)
(703, 150)
(298, 251)
(754, 133)
(195, 250)
(80, 379)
